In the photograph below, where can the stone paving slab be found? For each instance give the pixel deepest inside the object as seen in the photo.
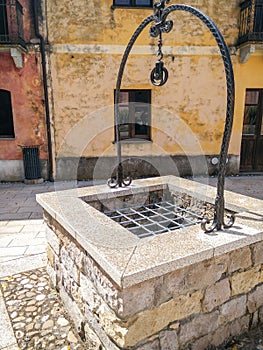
(22, 229)
(12, 251)
(25, 239)
(21, 238)
(21, 264)
(26, 223)
(11, 229)
(248, 185)
(7, 336)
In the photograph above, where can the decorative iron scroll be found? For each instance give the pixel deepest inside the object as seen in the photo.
(159, 77)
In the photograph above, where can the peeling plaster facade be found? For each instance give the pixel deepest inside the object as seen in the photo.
(87, 40)
(22, 76)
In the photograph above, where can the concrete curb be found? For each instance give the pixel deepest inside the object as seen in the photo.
(22, 264)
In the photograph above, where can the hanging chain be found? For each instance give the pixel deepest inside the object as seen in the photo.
(159, 74)
(160, 44)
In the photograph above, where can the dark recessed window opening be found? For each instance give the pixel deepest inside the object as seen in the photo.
(135, 114)
(133, 3)
(258, 21)
(6, 115)
(3, 21)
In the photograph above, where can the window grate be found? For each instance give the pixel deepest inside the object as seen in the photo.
(153, 219)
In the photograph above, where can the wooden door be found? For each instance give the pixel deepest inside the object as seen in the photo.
(251, 158)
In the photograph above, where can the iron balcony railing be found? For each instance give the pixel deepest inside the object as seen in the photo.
(251, 22)
(11, 23)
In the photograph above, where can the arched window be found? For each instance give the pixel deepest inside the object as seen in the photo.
(6, 115)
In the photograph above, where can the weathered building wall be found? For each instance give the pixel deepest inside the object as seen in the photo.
(25, 85)
(188, 113)
(83, 86)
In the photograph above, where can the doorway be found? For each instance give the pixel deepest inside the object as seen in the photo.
(251, 157)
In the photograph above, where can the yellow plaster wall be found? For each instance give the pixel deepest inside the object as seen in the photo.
(188, 112)
(95, 22)
(190, 106)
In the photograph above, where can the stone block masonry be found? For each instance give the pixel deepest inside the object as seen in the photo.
(150, 316)
(195, 302)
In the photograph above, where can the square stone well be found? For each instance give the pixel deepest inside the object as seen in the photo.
(175, 289)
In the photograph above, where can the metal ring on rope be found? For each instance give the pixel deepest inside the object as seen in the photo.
(159, 74)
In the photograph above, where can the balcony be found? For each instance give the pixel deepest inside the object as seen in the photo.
(250, 36)
(11, 25)
(251, 22)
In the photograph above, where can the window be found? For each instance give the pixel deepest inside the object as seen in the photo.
(252, 109)
(3, 21)
(11, 22)
(258, 21)
(133, 3)
(6, 115)
(251, 153)
(135, 114)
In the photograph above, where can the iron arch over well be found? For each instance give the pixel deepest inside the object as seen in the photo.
(162, 25)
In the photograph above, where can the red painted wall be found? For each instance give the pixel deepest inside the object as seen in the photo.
(26, 89)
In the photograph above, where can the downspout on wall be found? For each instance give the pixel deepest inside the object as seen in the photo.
(45, 87)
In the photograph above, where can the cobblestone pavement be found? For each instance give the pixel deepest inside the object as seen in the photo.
(36, 313)
(32, 316)
(252, 340)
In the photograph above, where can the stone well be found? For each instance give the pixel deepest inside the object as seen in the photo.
(177, 289)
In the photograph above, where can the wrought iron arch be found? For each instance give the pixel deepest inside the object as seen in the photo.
(162, 25)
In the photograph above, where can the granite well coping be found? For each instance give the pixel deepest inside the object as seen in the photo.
(129, 260)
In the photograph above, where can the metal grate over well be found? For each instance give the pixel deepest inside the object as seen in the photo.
(155, 218)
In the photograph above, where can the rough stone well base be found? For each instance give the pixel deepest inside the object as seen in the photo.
(177, 290)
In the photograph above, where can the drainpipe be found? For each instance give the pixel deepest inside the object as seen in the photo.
(45, 87)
